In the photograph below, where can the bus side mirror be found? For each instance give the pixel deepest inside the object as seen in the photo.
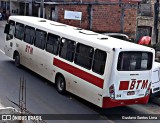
(6, 29)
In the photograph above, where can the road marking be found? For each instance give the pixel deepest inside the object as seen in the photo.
(2, 51)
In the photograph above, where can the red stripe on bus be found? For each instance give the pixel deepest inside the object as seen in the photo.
(124, 85)
(79, 73)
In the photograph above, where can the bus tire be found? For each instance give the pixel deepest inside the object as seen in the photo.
(17, 60)
(60, 84)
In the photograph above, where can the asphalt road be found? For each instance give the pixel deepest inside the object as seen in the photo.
(42, 97)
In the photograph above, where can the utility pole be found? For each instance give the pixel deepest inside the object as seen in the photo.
(41, 8)
(122, 16)
(25, 8)
(10, 8)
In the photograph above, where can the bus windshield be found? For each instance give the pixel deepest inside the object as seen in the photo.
(134, 61)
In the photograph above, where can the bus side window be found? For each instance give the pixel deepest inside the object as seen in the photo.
(40, 39)
(67, 49)
(11, 30)
(99, 61)
(29, 35)
(52, 44)
(19, 32)
(84, 55)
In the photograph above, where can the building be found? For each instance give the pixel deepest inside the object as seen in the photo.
(16, 7)
(148, 20)
(97, 15)
(4, 8)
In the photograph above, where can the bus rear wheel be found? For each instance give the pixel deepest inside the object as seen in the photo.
(17, 60)
(60, 84)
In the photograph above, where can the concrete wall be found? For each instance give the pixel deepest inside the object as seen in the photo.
(149, 22)
(14, 8)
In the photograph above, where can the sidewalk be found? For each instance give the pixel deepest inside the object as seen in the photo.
(3, 23)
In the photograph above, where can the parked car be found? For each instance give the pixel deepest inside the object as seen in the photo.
(0, 16)
(118, 35)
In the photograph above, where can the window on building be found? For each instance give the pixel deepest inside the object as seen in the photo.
(99, 61)
(40, 39)
(67, 49)
(19, 32)
(29, 35)
(53, 42)
(84, 55)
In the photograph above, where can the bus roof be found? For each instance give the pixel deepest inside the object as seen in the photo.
(78, 34)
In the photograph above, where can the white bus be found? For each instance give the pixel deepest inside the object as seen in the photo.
(105, 71)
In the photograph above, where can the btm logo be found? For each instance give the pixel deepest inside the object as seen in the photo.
(133, 84)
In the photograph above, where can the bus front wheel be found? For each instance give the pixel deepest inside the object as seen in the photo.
(17, 60)
(60, 84)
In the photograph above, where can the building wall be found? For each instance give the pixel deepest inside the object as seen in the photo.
(147, 23)
(106, 18)
(99, 15)
(4, 5)
(80, 8)
(102, 18)
(130, 21)
(14, 8)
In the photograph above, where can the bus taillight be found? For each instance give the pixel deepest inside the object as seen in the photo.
(148, 90)
(112, 92)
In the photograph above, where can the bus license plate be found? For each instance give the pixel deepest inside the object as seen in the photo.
(130, 93)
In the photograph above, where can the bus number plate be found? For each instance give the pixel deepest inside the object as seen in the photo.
(130, 93)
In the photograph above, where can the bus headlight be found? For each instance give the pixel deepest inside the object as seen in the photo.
(112, 92)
